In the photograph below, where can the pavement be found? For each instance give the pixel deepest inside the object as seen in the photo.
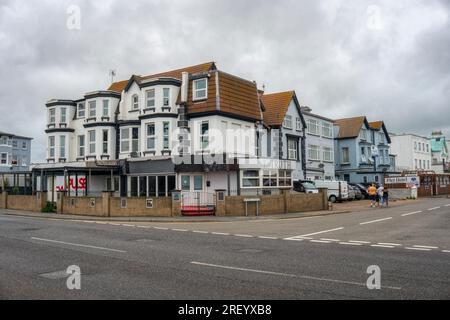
(318, 257)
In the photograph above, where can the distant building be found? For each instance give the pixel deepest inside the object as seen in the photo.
(362, 150)
(439, 152)
(15, 153)
(319, 146)
(412, 152)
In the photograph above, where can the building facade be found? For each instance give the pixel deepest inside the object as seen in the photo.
(362, 150)
(440, 153)
(412, 152)
(196, 129)
(15, 153)
(319, 146)
(286, 131)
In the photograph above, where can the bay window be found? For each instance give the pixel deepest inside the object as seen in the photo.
(51, 116)
(92, 109)
(166, 135)
(166, 97)
(51, 147)
(92, 142)
(105, 108)
(62, 146)
(129, 138)
(81, 110)
(150, 94)
(63, 117)
(105, 142)
(81, 146)
(204, 135)
(150, 136)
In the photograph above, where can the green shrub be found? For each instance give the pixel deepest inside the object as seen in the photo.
(49, 207)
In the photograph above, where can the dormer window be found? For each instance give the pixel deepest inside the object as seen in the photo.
(200, 89)
(166, 97)
(81, 110)
(135, 102)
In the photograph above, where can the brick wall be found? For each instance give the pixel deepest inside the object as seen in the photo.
(86, 206)
(26, 203)
(137, 207)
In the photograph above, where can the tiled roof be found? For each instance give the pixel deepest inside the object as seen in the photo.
(276, 105)
(350, 127)
(377, 125)
(204, 67)
(237, 96)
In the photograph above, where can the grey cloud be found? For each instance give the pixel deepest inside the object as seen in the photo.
(322, 49)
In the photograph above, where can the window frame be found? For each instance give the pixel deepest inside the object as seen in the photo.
(292, 152)
(287, 123)
(5, 159)
(105, 142)
(313, 123)
(325, 151)
(92, 109)
(328, 126)
(195, 90)
(51, 147)
(80, 146)
(153, 99)
(81, 108)
(315, 148)
(150, 137)
(52, 116)
(345, 152)
(166, 136)
(166, 99)
(92, 144)
(135, 102)
(62, 146)
(204, 136)
(105, 111)
(63, 115)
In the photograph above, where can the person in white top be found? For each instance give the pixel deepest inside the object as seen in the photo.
(380, 193)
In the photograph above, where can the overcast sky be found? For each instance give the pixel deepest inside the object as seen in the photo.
(388, 60)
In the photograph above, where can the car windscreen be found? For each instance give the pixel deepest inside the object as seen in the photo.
(309, 185)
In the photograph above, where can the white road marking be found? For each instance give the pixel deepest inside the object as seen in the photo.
(319, 241)
(128, 225)
(144, 227)
(294, 239)
(411, 213)
(243, 235)
(381, 246)
(160, 228)
(114, 224)
(418, 249)
(435, 208)
(375, 221)
(287, 275)
(220, 233)
(179, 230)
(350, 243)
(447, 205)
(268, 238)
(99, 222)
(361, 242)
(426, 247)
(202, 232)
(320, 232)
(331, 240)
(390, 244)
(446, 251)
(77, 245)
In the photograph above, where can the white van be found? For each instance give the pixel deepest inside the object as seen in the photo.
(337, 190)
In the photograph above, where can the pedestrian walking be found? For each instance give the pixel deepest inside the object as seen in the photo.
(372, 191)
(386, 197)
(380, 196)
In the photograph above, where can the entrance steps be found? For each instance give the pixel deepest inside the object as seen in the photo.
(197, 211)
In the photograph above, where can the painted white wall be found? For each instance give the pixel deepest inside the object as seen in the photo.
(405, 147)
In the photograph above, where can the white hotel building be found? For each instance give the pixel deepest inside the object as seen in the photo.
(149, 135)
(412, 152)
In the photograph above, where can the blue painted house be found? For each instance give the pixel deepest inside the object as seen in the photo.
(15, 153)
(362, 150)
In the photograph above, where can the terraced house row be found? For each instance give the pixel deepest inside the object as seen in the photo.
(200, 129)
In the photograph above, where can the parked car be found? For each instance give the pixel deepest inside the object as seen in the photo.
(351, 193)
(337, 190)
(361, 188)
(305, 186)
